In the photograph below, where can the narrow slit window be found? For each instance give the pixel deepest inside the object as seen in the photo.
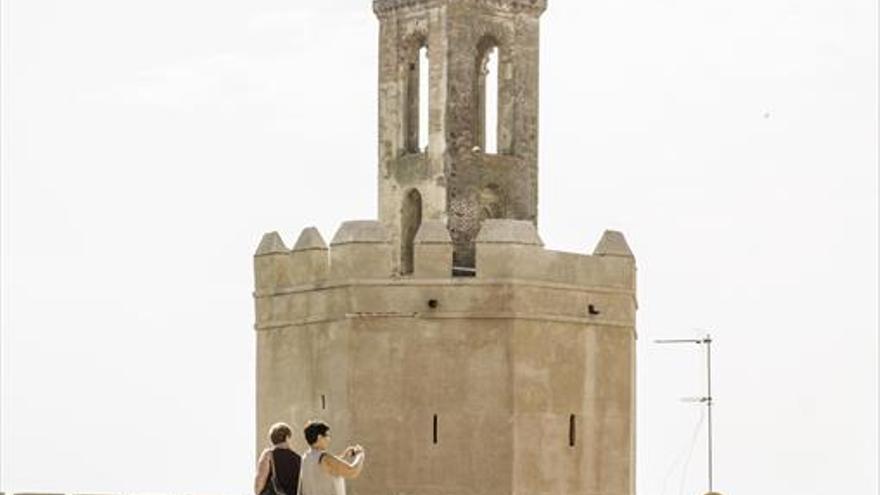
(435, 429)
(416, 101)
(571, 431)
(490, 125)
(323, 401)
(424, 97)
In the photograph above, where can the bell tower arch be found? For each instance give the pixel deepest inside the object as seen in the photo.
(455, 167)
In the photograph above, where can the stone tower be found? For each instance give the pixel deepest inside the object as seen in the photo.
(443, 337)
(455, 178)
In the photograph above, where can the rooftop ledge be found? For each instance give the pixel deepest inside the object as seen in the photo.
(505, 250)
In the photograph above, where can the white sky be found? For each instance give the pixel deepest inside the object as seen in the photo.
(148, 145)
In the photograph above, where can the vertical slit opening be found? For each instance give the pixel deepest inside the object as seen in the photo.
(435, 429)
(416, 98)
(490, 125)
(424, 97)
(571, 431)
(323, 402)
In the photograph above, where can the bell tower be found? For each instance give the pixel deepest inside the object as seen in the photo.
(463, 167)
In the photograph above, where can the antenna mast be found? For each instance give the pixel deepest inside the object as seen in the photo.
(707, 399)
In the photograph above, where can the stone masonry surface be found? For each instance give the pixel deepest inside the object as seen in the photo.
(443, 336)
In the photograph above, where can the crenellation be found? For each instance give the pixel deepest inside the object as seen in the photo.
(583, 270)
(613, 246)
(310, 239)
(361, 249)
(506, 249)
(433, 251)
(310, 258)
(613, 243)
(271, 243)
(271, 263)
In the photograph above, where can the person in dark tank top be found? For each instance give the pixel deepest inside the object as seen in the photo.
(278, 467)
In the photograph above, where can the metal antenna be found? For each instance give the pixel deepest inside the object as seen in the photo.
(707, 341)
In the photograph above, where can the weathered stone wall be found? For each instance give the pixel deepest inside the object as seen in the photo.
(518, 379)
(507, 361)
(455, 175)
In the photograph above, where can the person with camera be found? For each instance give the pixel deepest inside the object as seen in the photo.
(323, 473)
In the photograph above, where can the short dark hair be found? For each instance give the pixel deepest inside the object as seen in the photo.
(314, 429)
(279, 432)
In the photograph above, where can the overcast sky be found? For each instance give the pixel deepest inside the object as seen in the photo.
(148, 145)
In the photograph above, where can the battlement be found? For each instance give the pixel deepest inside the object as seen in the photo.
(505, 249)
(533, 346)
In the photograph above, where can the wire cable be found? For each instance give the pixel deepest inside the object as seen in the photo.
(687, 449)
(687, 463)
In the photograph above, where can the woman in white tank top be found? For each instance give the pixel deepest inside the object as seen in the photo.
(323, 473)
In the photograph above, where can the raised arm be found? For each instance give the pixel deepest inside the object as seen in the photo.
(336, 466)
(262, 472)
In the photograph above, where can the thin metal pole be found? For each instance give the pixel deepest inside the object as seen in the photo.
(707, 341)
(709, 401)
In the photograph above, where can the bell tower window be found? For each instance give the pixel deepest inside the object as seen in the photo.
(491, 101)
(424, 96)
(418, 96)
(487, 94)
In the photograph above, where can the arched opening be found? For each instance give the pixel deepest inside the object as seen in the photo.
(491, 111)
(417, 98)
(410, 221)
(487, 92)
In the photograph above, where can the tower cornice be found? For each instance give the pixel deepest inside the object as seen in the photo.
(381, 7)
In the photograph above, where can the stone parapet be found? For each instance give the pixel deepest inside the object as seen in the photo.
(271, 263)
(505, 250)
(310, 257)
(361, 249)
(432, 251)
